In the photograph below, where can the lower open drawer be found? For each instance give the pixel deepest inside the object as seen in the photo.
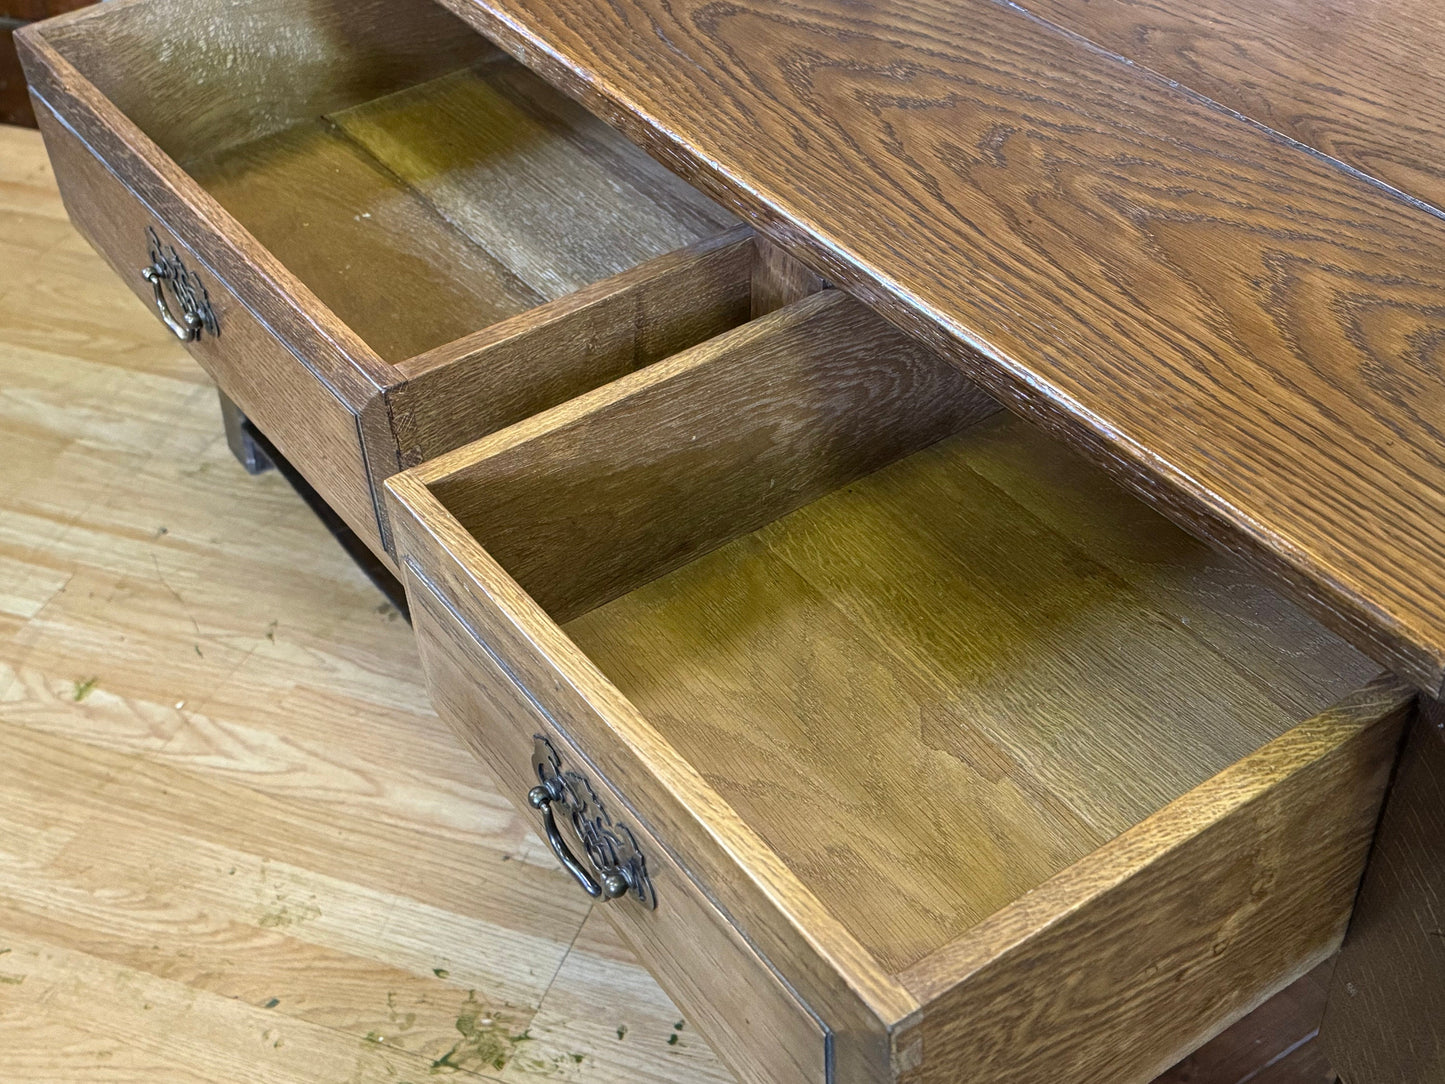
(910, 747)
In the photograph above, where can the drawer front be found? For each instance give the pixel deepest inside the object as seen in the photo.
(311, 426)
(753, 1020)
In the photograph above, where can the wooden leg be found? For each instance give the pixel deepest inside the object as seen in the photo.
(241, 437)
(1385, 1020)
(257, 454)
(1275, 1044)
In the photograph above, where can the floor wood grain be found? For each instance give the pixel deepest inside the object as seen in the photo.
(235, 844)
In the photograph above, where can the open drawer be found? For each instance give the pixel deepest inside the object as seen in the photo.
(912, 748)
(380, 236)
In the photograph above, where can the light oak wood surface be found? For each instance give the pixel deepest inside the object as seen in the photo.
(967, 769)
(1240, 328)
(236, 846)
(303, 159)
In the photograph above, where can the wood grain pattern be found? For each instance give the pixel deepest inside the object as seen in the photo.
(1059, 985)
(324, 346)
(697, 449)
(1355, 79)
(547, 355)
(848, 727)
(922, 615)
(753, 1020)
(362, 277)
(1244, 332)
(371, 248)
(555, 195)
(110, 435)
(199, 77)
(1386, 1015)
(312, 426)
(779, 279)
(250, 853)
(831, 972)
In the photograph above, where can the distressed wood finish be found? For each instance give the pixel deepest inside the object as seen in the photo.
(306, 156)
(928, 744)
(1354, 79)
(1245, 333)
(1386, 1017)
(560, 199)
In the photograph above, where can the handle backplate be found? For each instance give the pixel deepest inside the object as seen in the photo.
(168, 272)
(611, 865)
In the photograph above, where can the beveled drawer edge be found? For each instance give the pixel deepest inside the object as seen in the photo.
(1358, 735)
(560, 736)
(655, 268)
(200, 260)
(170, 193)
(865, 1000)
(1247, 780)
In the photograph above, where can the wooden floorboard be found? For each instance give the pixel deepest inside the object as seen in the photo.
(235, 843)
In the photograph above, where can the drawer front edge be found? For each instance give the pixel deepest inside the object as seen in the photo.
(1145, 949)
(305, 419)
(754, 1019)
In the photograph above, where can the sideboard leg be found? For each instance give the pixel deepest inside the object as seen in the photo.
(1385, 1019)
(257, 455)
(241, 438)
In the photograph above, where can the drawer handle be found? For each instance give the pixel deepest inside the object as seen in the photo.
(165, 267)
(607, 886)
(617, 867)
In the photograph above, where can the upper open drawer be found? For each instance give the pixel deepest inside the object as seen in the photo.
(388, 196)
(1007, 778)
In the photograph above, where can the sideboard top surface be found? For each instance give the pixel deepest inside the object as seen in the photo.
(1249, 332)
(1359, 80)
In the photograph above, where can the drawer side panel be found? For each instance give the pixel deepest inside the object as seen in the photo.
(1135, 956)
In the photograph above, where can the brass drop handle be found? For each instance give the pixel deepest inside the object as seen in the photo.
(609, 885)
(188, 328)
(167, 267)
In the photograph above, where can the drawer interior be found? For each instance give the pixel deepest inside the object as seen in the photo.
(421, 183)
(929, 655)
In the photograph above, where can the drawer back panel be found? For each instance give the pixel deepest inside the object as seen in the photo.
(200, 75)
(649, 473)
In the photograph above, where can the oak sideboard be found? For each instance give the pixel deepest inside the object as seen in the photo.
(936, 508)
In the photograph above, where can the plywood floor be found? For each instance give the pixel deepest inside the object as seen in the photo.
(235, 844)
